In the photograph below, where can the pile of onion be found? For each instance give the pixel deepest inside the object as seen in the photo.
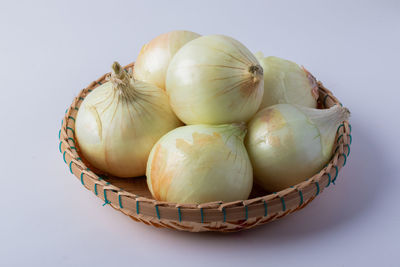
(243, 113)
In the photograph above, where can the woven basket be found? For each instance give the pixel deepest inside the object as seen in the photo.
(132, 197)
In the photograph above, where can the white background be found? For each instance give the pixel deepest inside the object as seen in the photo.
(51, 50)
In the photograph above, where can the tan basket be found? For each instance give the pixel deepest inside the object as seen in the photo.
(132, 197)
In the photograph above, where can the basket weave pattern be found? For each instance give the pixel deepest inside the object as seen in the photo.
(215, 216)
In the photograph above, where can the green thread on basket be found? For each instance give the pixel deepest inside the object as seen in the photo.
(340, 136)
(317, 185)
(265, 208)
(78, 158)
(348, 149)
(72, 139)
(72, 130)
(224, 214)
(70, 167)
(350, 127)
(81, 98)
(99, 83)
(66, 111)
(340, 126)
(301, 197)
(82, 178)
(76, 108)
(137, 207)
(64, 157)
(120, 201)
(325, 99)
(73, 148)
(60, 147)
(62, 122)
(202, 215)
(351, 139)
(246, 213)
(179, 214)
(336, 174)
(158, 213)
(106, 201)
(71, 118)
(329, 181)
(59, 134)
(283, 203)
(95, 189)
(345, 159)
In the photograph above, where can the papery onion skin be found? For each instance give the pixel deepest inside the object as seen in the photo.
(288, 144)
(200, 163)
(214, 80)
(287, 83)
(153, 60)
(117, 125)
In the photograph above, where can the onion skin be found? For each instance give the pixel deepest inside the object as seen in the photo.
(287, 83)
(214, 80)
(288, 144)
(200, 163)
(153, 60)
(119, 122)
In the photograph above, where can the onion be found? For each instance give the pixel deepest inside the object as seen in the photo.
(286, 83)
(214, 80)
(153, 60)
(288, 144)
(120, 121)
(200, 163)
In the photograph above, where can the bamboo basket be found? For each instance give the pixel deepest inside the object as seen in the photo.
(132, 197)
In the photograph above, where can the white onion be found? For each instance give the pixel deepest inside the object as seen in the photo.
(200, 163)
(213, 80)
(286, 83)
(288, 144)
(119, 122)
(154, 58)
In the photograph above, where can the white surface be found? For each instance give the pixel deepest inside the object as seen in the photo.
(49, 51)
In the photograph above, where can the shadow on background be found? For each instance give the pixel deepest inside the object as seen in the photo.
(358, 187)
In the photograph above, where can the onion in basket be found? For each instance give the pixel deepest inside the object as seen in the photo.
(200, 163)
(120, 121)
(286, 83)
(214, 80)
(154, 58)
(288, 144)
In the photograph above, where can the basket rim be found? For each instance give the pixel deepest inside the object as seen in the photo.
(260, 209)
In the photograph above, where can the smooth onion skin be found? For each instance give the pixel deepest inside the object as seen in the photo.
(200, 163)
(153, 60)
(287, 83)
(214, 80)
(284, 147)
(116, 134)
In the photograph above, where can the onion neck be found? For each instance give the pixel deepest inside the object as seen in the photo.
(122, 81)
(326, 121)
(257, 72)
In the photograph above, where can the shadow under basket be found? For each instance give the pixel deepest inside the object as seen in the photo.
(132, 197)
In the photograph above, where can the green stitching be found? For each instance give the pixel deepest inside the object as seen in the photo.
(224, 214)
(64, 157)
(120, 201)
(283, 203)
(265, 208)
(337, 171)
(179, 214)
(137, 206)
(317, 185)
(329, 181)
(105, 198)
(72, 139)
(246, 213)
(301, 197)
(202, 215)
(82, 178)
(345, 159)
(70, 167)
(72, 130)
(158, 213)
